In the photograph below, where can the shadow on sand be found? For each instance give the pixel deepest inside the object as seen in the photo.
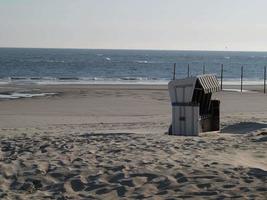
(87, 135)
(243, 127)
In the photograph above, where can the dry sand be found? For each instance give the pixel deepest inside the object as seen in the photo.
(108, 142)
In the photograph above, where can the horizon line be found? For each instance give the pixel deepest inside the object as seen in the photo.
(133, 49)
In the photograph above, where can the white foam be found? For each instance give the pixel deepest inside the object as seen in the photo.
(17, 95)
(238, 90)
(105, 82)
(142, 61)
(245, 82)
(3, 83)
(114, 81)
(7, 96)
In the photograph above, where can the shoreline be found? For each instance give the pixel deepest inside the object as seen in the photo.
(134, 84)
(19, 91)
(81, 104)
(112, 81)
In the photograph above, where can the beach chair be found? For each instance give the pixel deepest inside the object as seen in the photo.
(193, 111)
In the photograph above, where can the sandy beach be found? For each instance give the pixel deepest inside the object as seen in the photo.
(110, 142)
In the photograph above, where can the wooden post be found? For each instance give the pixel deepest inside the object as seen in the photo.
(264, 80)
(174, 71)
(222, 77)
(242, 74)
(188, 70)
(204, 69)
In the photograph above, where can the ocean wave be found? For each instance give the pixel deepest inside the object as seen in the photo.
(17, 95)
(54, 61)
(25, 79)
(68, 78)
(149, 62)
(238, 90)
(108, 80)
(142, 61)
(236, 82)
(19, 78)
(133, 78)
(43, 61)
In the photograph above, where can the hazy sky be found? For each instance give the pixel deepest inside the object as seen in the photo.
(135, 24)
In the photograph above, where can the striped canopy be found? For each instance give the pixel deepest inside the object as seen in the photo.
(209, 83)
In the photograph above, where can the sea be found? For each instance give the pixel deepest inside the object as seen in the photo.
(96, 66)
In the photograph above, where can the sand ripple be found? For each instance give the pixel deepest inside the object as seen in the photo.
(131, 166)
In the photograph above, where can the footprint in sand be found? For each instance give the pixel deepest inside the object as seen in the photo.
(148, 176)
(94, 185)
(181, 178)
(116, 177)
(204, 185)
(77, 185)
(258, 173)
(127, 182)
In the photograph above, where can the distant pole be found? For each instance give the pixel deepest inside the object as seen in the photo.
(174, 71)
(242, 74)
(221, 76)
(264, 79)
(188, 70)
(204, 69)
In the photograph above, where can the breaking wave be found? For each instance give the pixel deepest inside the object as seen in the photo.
(18, 95)
(108, 80)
